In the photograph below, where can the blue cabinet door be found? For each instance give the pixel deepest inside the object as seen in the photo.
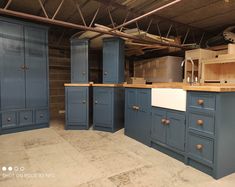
(176, 130)
(77, 103)
(130, 113)
(143, 97)
(158, 129)
(103, 106)
(79, 61)
(36, 67)
(138, 114)
(113, 60)
(12, 74)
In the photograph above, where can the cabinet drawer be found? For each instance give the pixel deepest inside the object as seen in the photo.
(202, 101)
(9, 119)
(201, 148)
(42, 116)
(25, 118)
(202, 122)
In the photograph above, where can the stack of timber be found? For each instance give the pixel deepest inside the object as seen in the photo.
(133, 47)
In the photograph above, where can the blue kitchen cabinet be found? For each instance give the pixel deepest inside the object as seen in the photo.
(108, 108)
(36, 67)
(158, 129)
(168, 130)
(210, 132)
(80, 61)
(77, 107)
(138, 114)
(113, 60)
(12, 66)
(23, 76)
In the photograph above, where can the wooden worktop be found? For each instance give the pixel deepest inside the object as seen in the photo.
(187, 87)
(77, 84)
(211, 88)
(157, 85)
(137, 85)
(107, 85)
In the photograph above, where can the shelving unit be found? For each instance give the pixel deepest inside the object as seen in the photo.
(197, 55)
(219, 70)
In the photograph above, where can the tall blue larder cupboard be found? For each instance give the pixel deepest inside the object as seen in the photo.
(113, 60)
(79, 60)
(23, 76)
(78, 107)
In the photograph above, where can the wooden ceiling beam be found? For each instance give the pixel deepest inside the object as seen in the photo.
(80, 27)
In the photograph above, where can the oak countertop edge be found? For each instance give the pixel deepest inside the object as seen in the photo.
(203, 88)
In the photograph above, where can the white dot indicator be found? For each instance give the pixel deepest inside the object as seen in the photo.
(10, 168)
(21, 168)
(4, 168)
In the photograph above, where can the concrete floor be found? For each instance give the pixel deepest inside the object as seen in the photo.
(55, 157)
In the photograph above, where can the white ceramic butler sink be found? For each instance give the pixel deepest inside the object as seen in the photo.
(171, 98)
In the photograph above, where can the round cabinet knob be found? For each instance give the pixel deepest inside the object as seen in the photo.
(163, 121)
(83, 72)
(200, 122)
(8, 119)
(200, 101)
(105, 73)
(199, 147)
(167, 122)
(83, 101)
(96, 102)
(41, 115)
(25, 117)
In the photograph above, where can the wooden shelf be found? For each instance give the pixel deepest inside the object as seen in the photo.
(220, 70)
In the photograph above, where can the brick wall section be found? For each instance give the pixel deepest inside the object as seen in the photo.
(59, 73)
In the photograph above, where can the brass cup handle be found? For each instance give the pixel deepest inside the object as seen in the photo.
(134, 107)
(200, 122)
(22, 66)
(167, 122)
(163, 121)
(199, 147)
(200, 101)
(8, 119)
